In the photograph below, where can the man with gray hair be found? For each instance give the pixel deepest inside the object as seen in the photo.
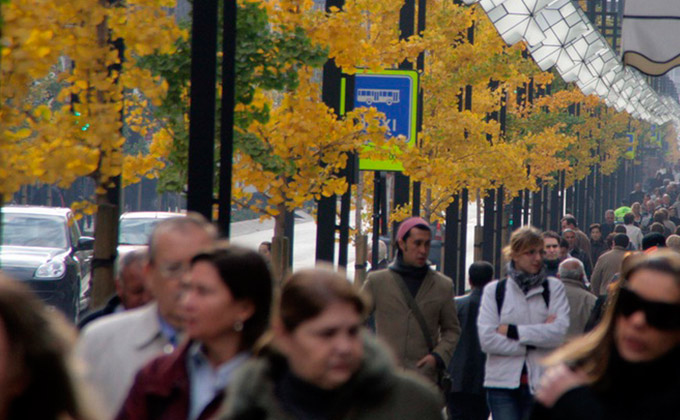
(581, 301)
(382, 256)
(673, 242)
(131, 291)
(115, 347)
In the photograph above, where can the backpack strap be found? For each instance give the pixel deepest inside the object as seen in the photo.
(411, 302)
(546, 292)
(500, 294)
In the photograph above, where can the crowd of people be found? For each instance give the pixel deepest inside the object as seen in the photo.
(578, 326)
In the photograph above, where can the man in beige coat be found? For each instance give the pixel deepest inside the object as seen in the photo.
(433, 292)
(581, 301)
(608, 265)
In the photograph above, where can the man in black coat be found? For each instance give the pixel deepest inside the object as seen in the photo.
(575, 251)
(467, 398)
(637, 195)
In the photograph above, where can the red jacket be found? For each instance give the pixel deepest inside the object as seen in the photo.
(161, 390)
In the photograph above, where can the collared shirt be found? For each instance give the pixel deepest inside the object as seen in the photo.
(168, 331)
(207, 382)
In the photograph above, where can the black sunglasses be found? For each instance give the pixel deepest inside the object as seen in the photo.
(660, 315)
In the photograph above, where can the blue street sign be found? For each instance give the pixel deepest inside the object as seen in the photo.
(630, 151)
(394, 93)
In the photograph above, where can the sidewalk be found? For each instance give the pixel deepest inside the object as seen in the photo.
(250, 233)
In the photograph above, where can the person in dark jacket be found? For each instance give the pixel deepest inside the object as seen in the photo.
(227, 304)
(321, 364)
(637, 195)
(597, 244)
(467, 399)
(577, 252)
(609, 223)
(131, 290)
(551, 256)
(653, 240)
(628, 368)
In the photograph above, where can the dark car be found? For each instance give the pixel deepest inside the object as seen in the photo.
(42, 247)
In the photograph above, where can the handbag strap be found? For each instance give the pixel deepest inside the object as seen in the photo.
(411, 302)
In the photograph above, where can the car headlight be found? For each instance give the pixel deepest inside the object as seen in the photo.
(50, 270)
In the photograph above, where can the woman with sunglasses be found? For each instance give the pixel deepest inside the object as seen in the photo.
(628, 367)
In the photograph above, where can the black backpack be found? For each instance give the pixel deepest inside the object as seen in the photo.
(500, 293)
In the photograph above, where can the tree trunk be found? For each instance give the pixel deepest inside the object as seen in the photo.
(361, 240)
(2, 202)
(105, 242)
(360, 262)
(428, 205)
(280, 247)
(108, 211)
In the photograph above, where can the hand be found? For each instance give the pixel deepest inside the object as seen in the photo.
(502, 329)
(556, 381)
(550, 319)
(427, 360)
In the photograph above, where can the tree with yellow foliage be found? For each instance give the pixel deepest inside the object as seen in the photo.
(311, 146)
(76, 131)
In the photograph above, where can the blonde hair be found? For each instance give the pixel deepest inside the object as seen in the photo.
(523, 239)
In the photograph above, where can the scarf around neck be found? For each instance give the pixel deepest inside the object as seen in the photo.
(525, 281)
(400, 267)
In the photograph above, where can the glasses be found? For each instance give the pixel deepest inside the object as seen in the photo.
(660, 315)
(174, 269)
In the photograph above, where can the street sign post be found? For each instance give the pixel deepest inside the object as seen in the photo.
(395, 94)
(630, 152)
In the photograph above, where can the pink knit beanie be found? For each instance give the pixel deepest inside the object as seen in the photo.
(408, 224)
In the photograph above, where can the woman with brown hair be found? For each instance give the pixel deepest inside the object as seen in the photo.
(226, 305)
(628, 367)
(521, 319)
(322, 365)
(36, 380)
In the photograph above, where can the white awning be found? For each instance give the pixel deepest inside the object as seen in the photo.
(650, 34)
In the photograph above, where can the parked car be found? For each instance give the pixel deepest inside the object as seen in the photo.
(135, 228)
(43, 247)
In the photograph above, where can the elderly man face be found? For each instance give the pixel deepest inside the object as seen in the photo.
(131, 286)
(650, 205)
(609, 216)
(666, 200)
(169, 265)
(570, 236)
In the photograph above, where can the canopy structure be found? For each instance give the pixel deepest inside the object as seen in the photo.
(559, 34)
(648, 26)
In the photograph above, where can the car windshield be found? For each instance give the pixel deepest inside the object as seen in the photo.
(136, 231)
(36, 230)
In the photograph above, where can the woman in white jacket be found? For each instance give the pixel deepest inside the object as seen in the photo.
(521, 319)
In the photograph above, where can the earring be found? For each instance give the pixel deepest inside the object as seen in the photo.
(238, 326)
